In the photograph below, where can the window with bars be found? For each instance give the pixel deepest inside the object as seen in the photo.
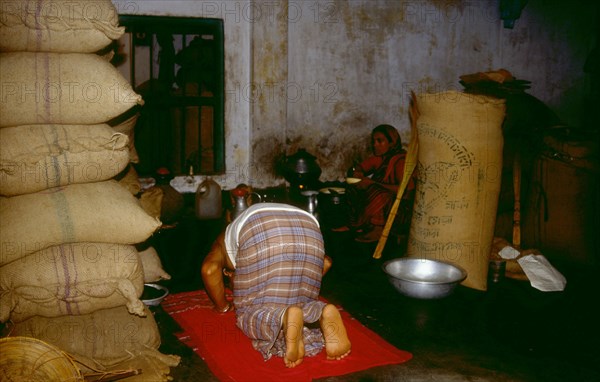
(177, 65)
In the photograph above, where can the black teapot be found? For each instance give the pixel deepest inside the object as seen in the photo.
(301, 170)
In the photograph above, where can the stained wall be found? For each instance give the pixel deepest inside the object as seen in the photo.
(320, 74)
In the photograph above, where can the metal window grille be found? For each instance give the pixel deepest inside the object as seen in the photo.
(177, 65)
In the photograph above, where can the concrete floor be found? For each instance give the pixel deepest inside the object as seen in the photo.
(512, 332)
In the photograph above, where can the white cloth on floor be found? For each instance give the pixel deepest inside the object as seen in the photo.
(542, 274)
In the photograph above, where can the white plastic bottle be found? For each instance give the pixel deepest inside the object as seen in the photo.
(209, 200)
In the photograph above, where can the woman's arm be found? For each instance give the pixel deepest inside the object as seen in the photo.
(392, 188)
(366, 167)
(373, 162)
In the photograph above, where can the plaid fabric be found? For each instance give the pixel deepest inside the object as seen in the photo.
(279, 264)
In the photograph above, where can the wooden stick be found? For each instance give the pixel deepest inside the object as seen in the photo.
(409, 166)
(517, 208)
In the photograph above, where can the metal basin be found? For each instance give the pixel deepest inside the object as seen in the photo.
(423, 279)
(155, 294)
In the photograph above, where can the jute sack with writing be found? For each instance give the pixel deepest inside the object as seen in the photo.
(127, 126)
(106, 336)
(458, 181)
(106, 340)
(37, 157)
(65, 88)
(71, 279)
(81, 26)
(102, 212)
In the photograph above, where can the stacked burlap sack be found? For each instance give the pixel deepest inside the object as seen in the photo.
(70, 274)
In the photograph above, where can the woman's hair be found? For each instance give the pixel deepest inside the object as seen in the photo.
(391, 135)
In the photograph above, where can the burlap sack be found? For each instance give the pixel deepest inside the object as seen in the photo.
(83, 26)
(128, 127)
(38, 157)
(65, 88)
(153, 269)
(129, 180)
(71, 279)
(106, 336)
(102, 212)
(459, 170)
(155, 367)
(151, 201)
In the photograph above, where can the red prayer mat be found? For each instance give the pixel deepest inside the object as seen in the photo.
(230, 356)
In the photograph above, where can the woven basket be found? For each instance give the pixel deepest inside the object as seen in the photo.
(26, 359)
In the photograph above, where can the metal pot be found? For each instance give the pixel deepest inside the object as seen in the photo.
(332, 196)
(333, 206)
(301, 169)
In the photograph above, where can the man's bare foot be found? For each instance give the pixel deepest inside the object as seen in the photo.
(337, 343)
(293, 323)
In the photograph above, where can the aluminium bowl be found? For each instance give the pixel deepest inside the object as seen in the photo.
(164, 291)
(422, 278)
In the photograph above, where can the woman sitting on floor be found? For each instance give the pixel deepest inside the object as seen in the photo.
(278, 256)
(370, 200)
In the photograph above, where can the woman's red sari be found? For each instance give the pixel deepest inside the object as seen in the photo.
(371, 205)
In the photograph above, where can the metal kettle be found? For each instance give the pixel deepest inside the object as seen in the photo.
(240, 197)
(301, 168)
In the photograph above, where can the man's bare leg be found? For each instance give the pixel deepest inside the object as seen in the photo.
(293, 323)
(337, 343)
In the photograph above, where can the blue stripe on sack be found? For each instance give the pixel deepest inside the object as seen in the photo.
(61, 207)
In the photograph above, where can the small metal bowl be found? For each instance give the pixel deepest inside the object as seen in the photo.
(156, 300)
(423, 279)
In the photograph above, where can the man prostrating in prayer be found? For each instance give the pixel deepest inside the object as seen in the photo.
(275, 255)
